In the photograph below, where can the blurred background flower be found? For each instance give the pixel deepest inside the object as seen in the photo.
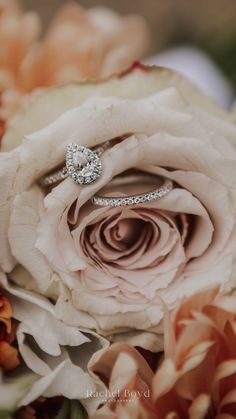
(109, 36)
(9, 358)
(207, 24)
(79, 44)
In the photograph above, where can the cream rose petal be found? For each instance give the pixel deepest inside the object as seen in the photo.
(105, 114)
(12, 392)
(54, 361)
(8, 169)
(25, 216)
(217, 204)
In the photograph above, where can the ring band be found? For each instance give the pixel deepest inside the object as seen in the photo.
(83, 173)
(158, 193)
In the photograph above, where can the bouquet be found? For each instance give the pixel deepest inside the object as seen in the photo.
(117, 206)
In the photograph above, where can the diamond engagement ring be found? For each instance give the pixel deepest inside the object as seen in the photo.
(83, 165)
(129, 182)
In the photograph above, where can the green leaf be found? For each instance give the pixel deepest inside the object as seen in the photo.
(71, 409)
(64, 410)
(76, 410)
(12, 391)
(4, 414)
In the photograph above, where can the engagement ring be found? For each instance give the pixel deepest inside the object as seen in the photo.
(83, 165)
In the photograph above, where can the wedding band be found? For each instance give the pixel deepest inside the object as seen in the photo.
(83, 165)
(136, 199)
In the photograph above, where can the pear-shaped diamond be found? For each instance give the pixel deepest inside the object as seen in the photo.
(79, 159)
(83, 165)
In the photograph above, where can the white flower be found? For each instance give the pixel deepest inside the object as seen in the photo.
(56, 353)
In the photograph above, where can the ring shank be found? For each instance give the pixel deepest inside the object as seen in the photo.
(134, 199)
(54, 177)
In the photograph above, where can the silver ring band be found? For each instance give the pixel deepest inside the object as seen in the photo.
(54, 177)
(136, 199)
(83, 174)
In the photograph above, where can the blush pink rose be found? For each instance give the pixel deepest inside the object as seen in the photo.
(107, 268)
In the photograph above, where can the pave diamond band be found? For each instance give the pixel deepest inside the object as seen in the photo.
(137, 199)
(82, 165)
(54, 177)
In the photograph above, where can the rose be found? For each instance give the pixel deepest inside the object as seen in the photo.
(107, 268)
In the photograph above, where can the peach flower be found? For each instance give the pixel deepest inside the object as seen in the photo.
(106, 268)
(18, 33)
(82, 45)
(197, 378)
(128, 378)
(8, 354)
(79, 45)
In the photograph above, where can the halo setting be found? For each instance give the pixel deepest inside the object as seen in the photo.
(82, 164)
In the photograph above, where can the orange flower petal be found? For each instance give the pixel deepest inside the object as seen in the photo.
(195, 303)
(8, 356)
(230, 398)
(7, 324)
(225, 369)
(172, 415)
(5, 308)
(165, 379)
(103, 364)
(200, 406)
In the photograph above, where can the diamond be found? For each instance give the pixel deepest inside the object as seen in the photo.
(83, 165)
(70, 147)
(79, 159)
